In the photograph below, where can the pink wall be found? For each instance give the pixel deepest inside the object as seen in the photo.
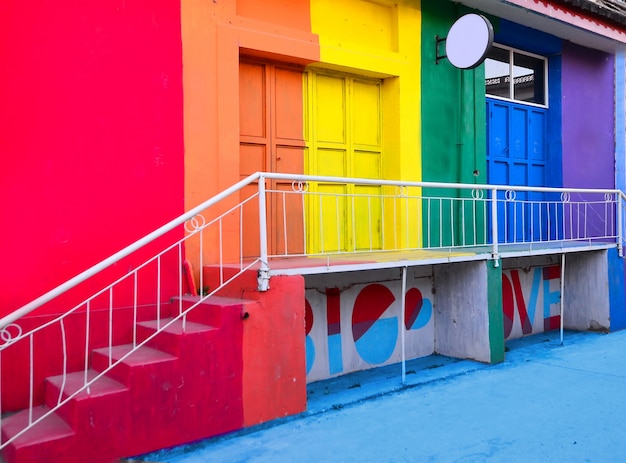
(91, 140)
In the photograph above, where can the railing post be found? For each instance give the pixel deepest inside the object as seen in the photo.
(620, 226)
(494, 227)
(263, 278)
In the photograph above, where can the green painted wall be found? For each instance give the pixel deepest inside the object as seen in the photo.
(496, 317)
(453, 129)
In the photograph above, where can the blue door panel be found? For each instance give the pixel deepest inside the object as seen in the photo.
(516, 155)
(537, 136)
(519, 133)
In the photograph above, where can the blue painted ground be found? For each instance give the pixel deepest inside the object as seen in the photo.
(545, 403)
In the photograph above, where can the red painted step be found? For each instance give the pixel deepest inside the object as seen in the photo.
(80, 410)
(178, 337)
(154, 379)
(51, 440)
(185, 385)
(98, 415)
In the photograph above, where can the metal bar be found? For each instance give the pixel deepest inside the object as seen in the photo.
(395, 221)
(474, 224)
(452, 204)
(221, 251)
(286, 252)
(562, 293)
(240, 238)
(382, 230)
(353, 213)
(1, 443)
(135, 308)
(110, 325)
(494, 226)
(31, 386)
(428, 200)
(406, 217)
(402, 327)
(337, 224)
(463, 222)
(440, 222)
(158, 294)
(180, 279)
(620, 248)
(369, 219)
(304, 228)
(321, 227)
(64, 346)
(263, 279)
(87, 328)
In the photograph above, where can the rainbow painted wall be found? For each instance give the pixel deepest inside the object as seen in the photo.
(125, 114)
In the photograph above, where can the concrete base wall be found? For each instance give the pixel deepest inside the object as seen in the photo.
(586, 291)
(465, 310)
(461, 311)
(354, 320)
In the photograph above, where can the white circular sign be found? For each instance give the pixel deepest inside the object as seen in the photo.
(468, 41)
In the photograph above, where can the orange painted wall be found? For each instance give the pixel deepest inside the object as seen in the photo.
(274, 359)
(274, 367)
(215, 35)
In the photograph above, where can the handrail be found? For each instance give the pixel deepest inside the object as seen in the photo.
(128, 250)
(458, 186)
(81, 277)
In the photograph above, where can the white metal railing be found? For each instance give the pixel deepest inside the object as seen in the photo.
(140, 293)
(268, 216)
(312, 217)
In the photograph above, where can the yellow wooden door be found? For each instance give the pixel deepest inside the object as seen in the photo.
(271, 140)
(344, 139)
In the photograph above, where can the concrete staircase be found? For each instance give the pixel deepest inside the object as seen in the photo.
(184, 385)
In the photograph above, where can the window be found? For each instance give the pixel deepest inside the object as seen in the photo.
(517, 76)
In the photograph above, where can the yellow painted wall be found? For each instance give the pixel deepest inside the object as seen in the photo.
(381, 39)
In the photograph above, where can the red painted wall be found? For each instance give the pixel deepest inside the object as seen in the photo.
(91, 137)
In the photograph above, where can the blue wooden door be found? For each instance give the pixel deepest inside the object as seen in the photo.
(517, 155)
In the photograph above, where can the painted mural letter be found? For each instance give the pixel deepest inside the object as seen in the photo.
(310, 345)
(418, 310)
(333, 311)
(374, 337)
(551, 322)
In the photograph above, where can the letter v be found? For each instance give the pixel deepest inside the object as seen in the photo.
(527, 326)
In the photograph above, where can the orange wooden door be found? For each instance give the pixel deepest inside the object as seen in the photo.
(271, 140)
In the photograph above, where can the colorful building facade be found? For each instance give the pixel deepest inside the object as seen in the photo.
(125, 115)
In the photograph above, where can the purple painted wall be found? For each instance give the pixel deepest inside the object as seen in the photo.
(588, 118)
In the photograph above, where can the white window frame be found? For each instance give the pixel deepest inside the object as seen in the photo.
(511, 51)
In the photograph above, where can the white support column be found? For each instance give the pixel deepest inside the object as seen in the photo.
(263, 277)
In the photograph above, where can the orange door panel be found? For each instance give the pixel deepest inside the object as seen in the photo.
(271, 140)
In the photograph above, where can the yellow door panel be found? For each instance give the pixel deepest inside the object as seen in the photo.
(331, 209)
(366, 164)
(368, 205)
(330, 109)
(366, 117)
(344, 140)
(331, 162)
(367, 217)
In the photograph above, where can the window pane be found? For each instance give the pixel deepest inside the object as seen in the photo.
(497, 73)
(528, 79)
